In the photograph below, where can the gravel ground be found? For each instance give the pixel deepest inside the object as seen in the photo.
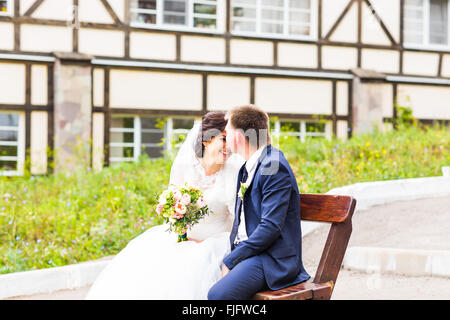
(419, 224)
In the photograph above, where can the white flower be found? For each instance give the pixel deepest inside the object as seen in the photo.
(185, 199)
(177, 195)
(180, 208)
(201, 202)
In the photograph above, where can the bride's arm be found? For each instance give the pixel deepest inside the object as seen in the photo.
(195, 240)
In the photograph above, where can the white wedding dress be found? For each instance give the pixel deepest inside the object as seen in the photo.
(154, 266)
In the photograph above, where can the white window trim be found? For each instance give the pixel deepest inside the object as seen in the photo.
(425, 45)
(126, 144)
(220, 19)
(9, 9)
(302, 134)
(258, 34)
(20, 158)
(137, 132)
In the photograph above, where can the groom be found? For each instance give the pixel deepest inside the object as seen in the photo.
(266, 235)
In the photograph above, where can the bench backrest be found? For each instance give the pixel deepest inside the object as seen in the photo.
(337, 210)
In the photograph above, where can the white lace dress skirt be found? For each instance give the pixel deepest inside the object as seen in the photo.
(155, 266)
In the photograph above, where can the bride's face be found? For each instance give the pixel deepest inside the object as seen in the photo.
(216, 149)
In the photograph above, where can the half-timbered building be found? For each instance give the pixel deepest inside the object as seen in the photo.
(124, 75)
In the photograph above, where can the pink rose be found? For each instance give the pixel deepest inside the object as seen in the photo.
(159, 208)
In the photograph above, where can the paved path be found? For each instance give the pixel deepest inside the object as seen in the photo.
(419, 224)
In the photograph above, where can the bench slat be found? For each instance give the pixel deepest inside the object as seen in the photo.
(301, 291)
(324, 208)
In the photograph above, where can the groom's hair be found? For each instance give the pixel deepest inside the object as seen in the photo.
(253, 121)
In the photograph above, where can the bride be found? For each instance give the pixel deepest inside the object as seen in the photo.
(154, 265)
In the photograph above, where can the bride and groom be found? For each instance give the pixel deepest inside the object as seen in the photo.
(250, 242)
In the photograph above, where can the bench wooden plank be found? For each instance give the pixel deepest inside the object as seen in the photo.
(301, 291)
(324, 208)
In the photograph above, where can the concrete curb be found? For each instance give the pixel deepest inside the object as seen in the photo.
(369, 194)
(51, 279)
(411, 262)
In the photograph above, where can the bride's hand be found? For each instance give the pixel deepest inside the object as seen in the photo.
(195, 240)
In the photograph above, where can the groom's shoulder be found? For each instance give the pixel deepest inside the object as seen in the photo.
(274, 155)
(274, 162)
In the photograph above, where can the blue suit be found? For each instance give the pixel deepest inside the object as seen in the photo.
(271, 257)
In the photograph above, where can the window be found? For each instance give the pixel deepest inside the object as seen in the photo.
(12, 150)
(201, 15)
(5, 7)
(427, 23)
(300, 129)
(290, 18)
(131, 136)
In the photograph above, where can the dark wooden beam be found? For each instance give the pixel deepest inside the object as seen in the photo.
(319, 35)
(33, 7)
(333, 108)
(340, 18)
(380, 21)
(111, 12)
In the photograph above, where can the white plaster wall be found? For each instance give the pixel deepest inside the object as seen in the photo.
(293, 96)
(155, 90)
(12, 83)
(39, 84)
(202, 49)
(339, 58)
(6, 36)
(225, 92)
(427, 102)
(342, 98)
(387, 61)
(420, 63)
(41, 38)
(98, 87)
(297, 55)
(38, 143)
(251, 52)
(144, 45)
(101, 42)
(93, 11)
(98, 120)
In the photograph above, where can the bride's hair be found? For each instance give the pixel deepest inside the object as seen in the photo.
(213, 123)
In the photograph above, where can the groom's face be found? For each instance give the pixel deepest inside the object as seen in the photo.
(231, 137)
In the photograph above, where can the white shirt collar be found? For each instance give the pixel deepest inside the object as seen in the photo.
(251, 162)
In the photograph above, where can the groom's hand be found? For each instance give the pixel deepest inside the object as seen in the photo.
(225, 270)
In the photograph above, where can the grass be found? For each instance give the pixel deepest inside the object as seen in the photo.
(66, 218)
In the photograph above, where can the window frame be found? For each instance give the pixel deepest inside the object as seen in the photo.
(137, 131)
(426, 45)
(8, 11)
(302, 134)
(258, 34)
(159, 25)
(20, 143)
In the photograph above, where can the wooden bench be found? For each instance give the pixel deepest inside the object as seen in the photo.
(337, 210)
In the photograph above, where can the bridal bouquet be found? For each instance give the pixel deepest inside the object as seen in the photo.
(181, 208)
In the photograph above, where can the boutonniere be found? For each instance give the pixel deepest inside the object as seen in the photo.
(243, 189)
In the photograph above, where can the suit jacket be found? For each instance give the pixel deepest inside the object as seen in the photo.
(272, 218)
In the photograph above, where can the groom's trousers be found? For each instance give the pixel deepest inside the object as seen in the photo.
(242, 282)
